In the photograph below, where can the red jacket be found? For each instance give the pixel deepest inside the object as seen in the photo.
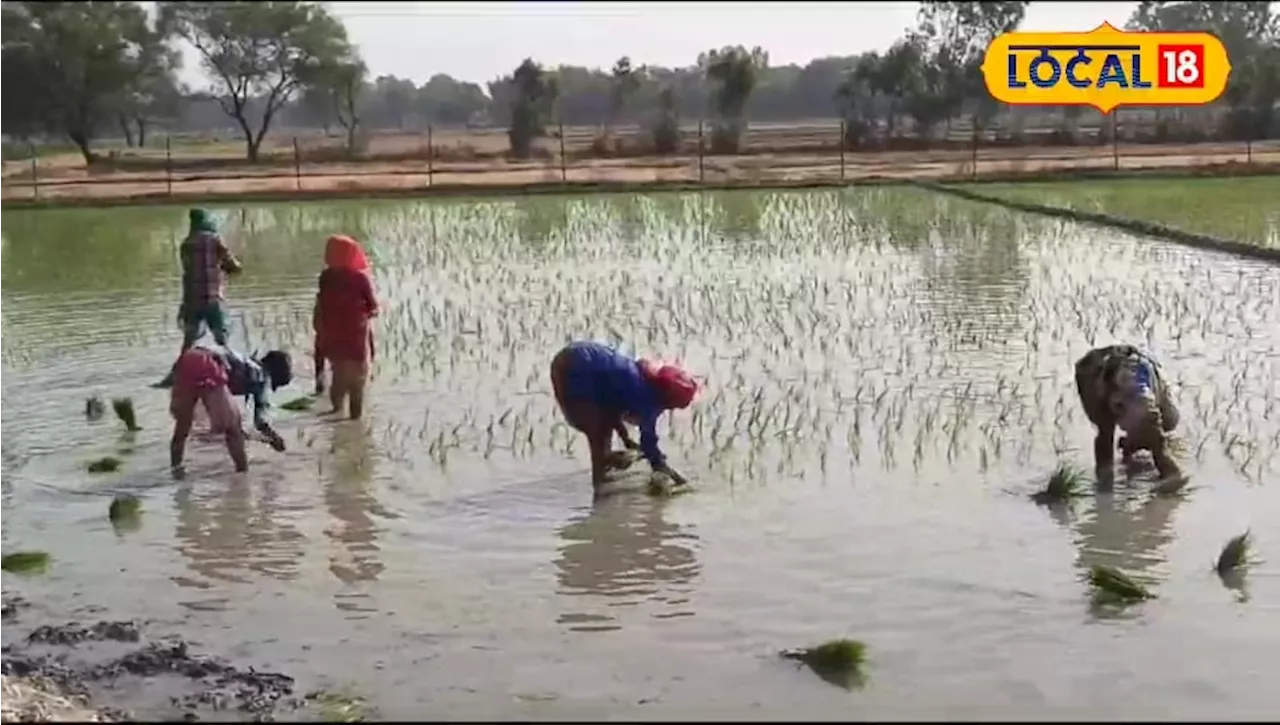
(345, 304)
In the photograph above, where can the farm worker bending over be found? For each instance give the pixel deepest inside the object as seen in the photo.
(1122, 387)
(342, 319)
(205, 258)
(598, 388)
(214, 377)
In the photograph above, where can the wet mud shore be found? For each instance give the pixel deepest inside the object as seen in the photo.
(116, 671)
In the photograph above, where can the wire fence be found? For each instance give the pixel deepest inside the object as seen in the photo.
(779, 153)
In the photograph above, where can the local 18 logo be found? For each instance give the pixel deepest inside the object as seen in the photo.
(1106, 68)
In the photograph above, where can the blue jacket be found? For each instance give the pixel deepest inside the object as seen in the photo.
(601, 375)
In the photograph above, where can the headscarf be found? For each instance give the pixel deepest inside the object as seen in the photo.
(201, 222)
(676, 387)
(343, 252)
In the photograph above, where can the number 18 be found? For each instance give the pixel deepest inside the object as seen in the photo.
(1182, 67)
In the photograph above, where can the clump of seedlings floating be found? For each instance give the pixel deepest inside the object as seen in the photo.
(339, 706)
(123, 408)
(106, 464)
(25, 562)
(661, 485)
(301, 403)
(839, 661)
(94, 408)
(1234, 555)
(125, 512)
(1065, 483)
(1112, 586)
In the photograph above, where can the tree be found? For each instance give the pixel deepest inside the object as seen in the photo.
(154, 93)
(72, 65)
(955, 36)
(1250, 31)
(396, 97)
(444, 100)
(626, 82)
(257, 50)
(340, 83)
(531, 94)
(666, 127)
(734, 70)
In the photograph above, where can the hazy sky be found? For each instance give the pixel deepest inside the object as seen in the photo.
(479, 41)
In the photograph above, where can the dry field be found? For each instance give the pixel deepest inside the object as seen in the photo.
(788, 154)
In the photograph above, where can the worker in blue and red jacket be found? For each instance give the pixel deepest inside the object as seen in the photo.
(599, 390)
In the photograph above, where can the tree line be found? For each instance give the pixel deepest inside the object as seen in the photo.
(86, 70)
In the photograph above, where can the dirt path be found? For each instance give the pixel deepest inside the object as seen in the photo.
(412, 178)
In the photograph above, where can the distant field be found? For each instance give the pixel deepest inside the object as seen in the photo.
(1242, 209)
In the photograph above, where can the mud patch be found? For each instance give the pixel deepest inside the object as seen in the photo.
(12, 604)
(162, 680)
(74, 633)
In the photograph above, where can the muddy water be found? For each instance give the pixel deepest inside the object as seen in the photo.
(888, 378)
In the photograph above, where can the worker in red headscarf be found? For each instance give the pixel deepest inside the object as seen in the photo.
(600, 389)
(342, 319)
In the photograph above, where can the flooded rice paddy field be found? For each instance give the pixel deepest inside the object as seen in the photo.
(888, 376)
(1239, 209)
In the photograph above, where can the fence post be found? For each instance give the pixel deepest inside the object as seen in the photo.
(431, 158)
(35, 174)
(1248, 137)
(297, 165)
(168, 164)
(843, 130)
(701, 173)
(973, 158)
(1115, 139)
(564, 171)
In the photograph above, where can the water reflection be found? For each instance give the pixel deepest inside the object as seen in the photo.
(1127, 534)
(350, 501)
(231, 524)
(977, 275)
(1130, 533)
(623, 550)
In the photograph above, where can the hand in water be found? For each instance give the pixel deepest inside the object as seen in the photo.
(676, 478)
(276, 442)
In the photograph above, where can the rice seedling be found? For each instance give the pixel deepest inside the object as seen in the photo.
(1236, 208)
(1065, 483)
(123, 408)
(1234, 555)
(842, 337)
(94, 408)
(124, 507)
(839, 661)
(339, 706)
(1111, 585)
(300, 403)
(25, 562)
(106, 464)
